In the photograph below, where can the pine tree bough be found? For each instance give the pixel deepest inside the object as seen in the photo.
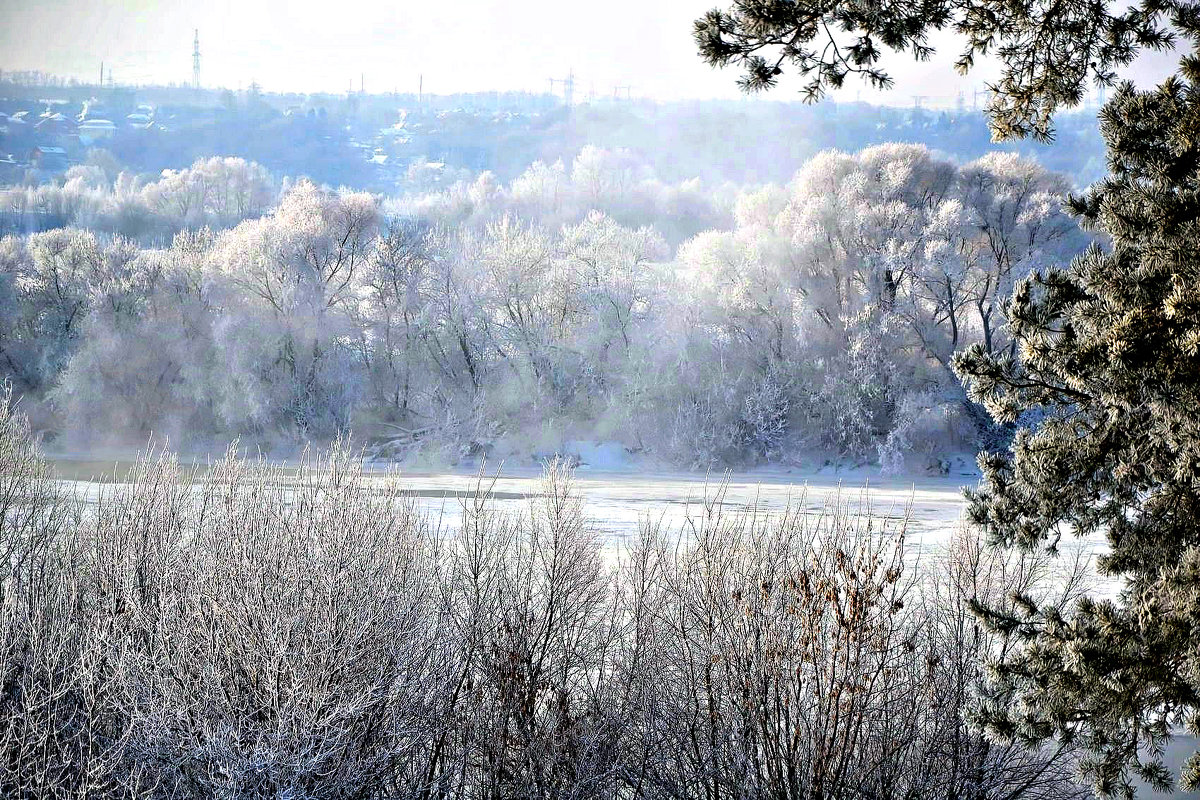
(1048, 49)
(1107, 359)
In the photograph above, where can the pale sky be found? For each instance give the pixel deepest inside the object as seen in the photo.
(469, 45)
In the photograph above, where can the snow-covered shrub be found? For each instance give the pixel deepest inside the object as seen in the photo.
(765, 416)
(928, 427)
(265, 631)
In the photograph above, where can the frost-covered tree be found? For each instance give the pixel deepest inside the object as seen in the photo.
(604, 175)
(530, 298)
(306, 253)
(463, 347)
(145, 365)
(611, 268)
(218, 192)
(1017, 206)
(15, 334)
(858, 227)
(1105, 359)
(742, 282)
(63, 266)
(856, 223)
(541, 190)
(291, 283)
(54, 283)
(397, 314)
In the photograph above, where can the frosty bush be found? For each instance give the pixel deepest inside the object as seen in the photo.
(926, 423)
(260, 631)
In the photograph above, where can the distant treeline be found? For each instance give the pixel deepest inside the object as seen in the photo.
(588, 300)
(101, 197)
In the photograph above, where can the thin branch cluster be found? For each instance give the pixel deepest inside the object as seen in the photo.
(255, 631)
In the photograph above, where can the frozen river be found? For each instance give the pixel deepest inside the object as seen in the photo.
(616, 503)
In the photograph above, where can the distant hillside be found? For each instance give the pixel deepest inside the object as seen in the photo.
(369, 141)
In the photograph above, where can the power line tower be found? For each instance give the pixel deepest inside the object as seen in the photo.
(987, 97)
(568, 84)
(196, 60)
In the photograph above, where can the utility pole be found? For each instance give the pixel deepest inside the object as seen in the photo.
(196, 59)
(420, 89)
(101, 74)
